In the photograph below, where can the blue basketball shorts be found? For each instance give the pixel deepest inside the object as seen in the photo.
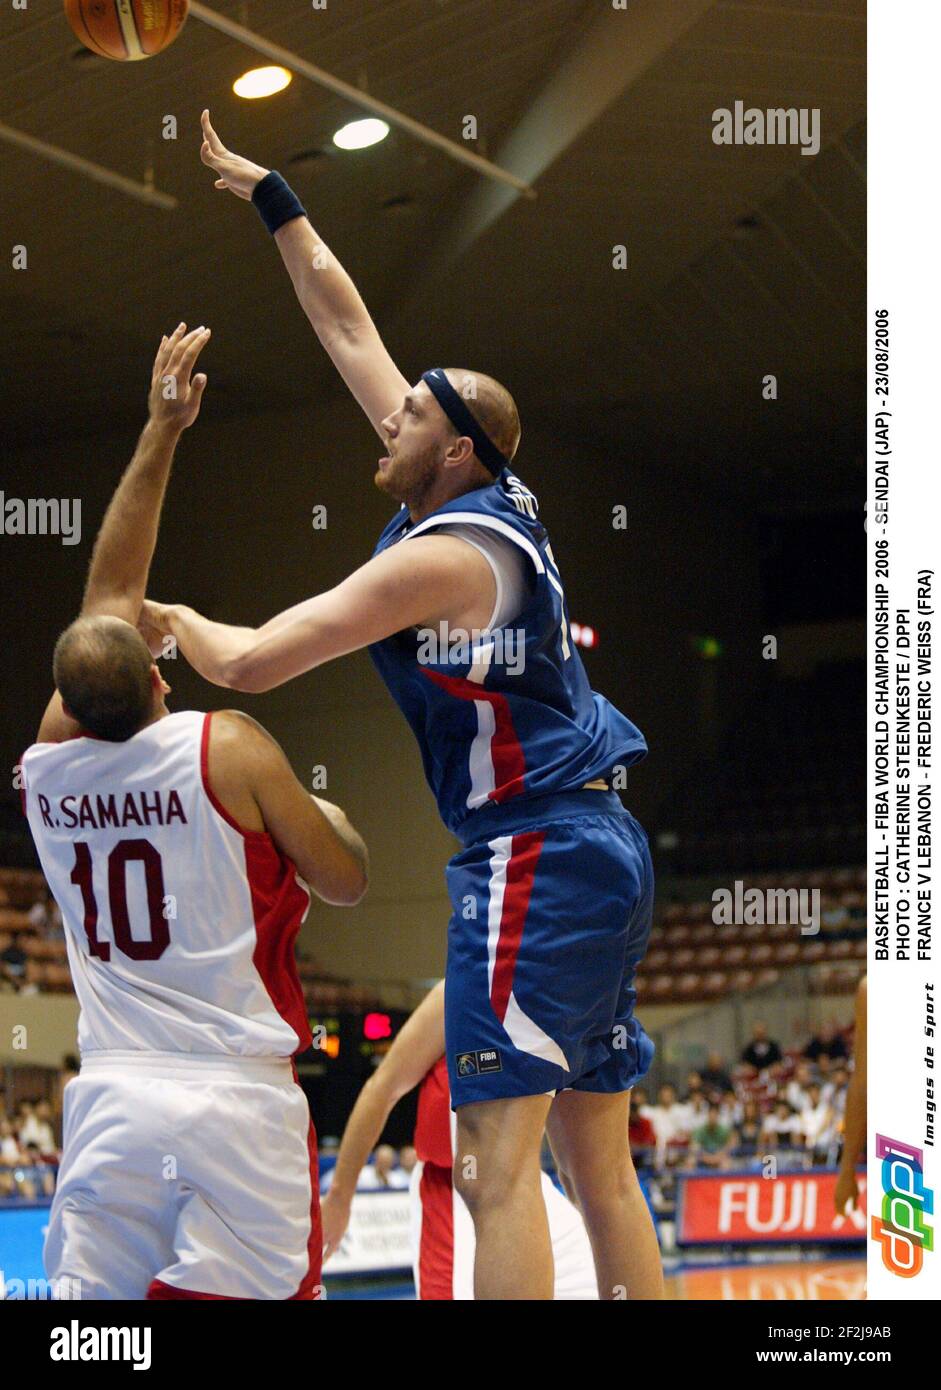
(551, 915)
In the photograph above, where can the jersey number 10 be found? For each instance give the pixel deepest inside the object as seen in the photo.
(124, 852)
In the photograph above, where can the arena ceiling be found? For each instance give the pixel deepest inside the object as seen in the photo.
(738, 261)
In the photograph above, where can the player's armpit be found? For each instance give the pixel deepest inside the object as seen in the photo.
(253, 780)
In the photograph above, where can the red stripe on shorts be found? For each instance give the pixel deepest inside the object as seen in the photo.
(520, 873)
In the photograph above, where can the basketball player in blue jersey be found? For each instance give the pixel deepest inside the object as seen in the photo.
(463, 610)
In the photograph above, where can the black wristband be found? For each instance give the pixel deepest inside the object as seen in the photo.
(277, 202)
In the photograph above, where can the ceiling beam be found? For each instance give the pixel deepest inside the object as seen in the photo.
(616, 49)
(143, 192)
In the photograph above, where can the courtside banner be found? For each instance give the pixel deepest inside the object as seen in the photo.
(904, 589)
(748, 1209)
(378, 1237)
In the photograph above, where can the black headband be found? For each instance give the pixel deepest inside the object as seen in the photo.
(463, 421)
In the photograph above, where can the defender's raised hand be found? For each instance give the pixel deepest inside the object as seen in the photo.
(236, 174)
(175, 398)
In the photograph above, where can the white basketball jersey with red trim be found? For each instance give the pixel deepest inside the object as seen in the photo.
(180, 925)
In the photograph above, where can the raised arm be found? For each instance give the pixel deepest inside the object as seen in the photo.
(120, 564)
(327, 294)
(411, 1056)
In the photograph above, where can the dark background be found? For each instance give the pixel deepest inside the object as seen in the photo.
(639, 387)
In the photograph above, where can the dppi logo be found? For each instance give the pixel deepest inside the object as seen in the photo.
(902, 1230)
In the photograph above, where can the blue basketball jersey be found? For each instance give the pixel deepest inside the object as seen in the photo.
(504, 715)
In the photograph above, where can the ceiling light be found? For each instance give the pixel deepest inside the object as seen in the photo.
(261, 82)
(359, 134)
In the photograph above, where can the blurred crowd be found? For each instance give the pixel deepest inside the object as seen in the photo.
(388, 1169)
(29, 1155)
(769, 1103)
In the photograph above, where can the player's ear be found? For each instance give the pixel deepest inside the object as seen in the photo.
(157, 680)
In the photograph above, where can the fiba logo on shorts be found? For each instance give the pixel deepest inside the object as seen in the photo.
(902, 1230)
(478, 1063)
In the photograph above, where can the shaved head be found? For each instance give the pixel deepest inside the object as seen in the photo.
(491, 405)
(102, 670)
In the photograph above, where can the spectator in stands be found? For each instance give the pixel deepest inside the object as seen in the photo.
(39, 910)
(715, 1074)
(9, 1145)
(825, 1069)
(762, 1052)
(13, 972)
(670, 1121)
(730, 1108)
(795, 1092)
(641, 1134)
(818, 1127)
(45, 917)
(407, 1159)
(750, 1130)
(835, 1092)
(827, 1043)
(697, 1110)
(9, 1158)
(712, 1143)
(694, 1086)
(781, 1131)
(37, 1130)
(39, 1177)
(383, 1173)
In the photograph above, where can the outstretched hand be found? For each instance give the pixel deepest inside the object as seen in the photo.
(236, 174)
(175, 398)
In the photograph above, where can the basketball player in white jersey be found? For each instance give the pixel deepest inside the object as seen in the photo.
(180, 849)
(443, 1242)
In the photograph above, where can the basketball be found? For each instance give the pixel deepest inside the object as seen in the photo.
(126, 29)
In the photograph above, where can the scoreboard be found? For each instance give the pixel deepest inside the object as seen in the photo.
(348, 1047)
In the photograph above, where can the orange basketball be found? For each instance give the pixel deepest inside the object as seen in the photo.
(126, 29)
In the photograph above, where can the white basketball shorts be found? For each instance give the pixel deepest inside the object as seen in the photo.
(186, 1177)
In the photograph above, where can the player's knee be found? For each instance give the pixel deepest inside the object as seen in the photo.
(484, 1184)
(603, 1191)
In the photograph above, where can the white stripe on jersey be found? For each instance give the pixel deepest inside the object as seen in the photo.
(179, 925)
